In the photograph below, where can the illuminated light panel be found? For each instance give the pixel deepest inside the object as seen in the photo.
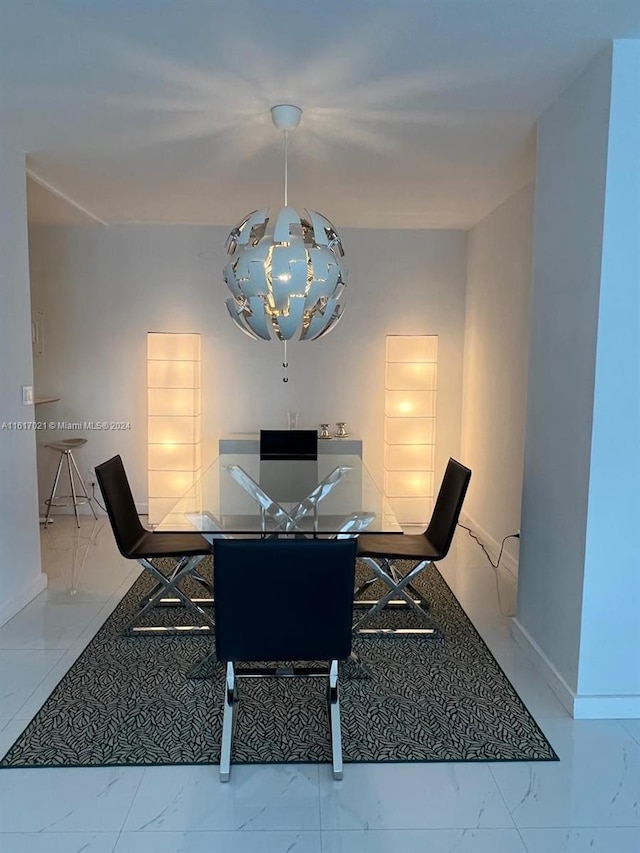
(173, 395)
(410, 425)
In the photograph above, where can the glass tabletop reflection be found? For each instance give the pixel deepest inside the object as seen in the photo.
(240, 494)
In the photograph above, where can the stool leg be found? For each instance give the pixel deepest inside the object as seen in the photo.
(53, 491)
(73, 488)
(84, 488)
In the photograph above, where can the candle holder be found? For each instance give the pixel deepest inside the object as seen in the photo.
(324, 431)
(341, 432)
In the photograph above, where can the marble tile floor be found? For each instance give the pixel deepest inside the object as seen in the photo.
(589, 802)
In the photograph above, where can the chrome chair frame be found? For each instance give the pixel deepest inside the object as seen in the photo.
(423, 550)
(167, 593)
(321, 634)
(137, 543)
(79, 495)
(231, 704)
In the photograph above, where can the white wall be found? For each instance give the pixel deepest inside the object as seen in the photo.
(578, 591)
(101, 289)
(495, 369)
(611, 597)
(20, 575)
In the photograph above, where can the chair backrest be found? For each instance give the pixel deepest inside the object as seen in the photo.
(448, 506)
(120, 505)
(283, 599)
(288, 444)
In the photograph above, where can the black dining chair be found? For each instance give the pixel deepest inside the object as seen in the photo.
(379, 551)
(284, 619)
(135, 542)
(297, 444)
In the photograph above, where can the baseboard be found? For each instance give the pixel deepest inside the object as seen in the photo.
(84, 510)
(606, 707)
(548, 671)
(581, 707)
(15, 604)
(492, 545)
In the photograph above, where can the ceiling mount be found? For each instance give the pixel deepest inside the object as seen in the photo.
(286, 117)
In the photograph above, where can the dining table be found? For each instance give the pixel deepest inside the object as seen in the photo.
(240, 494)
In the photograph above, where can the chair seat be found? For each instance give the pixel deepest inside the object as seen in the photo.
(171, 545)
(66, 444)
(396, 546)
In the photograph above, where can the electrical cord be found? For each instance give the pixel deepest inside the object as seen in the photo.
(94, 498)
(493, 565)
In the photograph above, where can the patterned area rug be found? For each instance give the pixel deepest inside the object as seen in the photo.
(128, 701)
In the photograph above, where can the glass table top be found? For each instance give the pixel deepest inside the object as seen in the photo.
(240, 494)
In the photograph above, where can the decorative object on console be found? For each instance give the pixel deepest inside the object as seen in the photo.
(410, 425)
(341, 431)
(173, 383)
(324, 431)
(285, 271)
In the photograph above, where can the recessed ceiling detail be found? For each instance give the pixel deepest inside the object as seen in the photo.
(417, 115)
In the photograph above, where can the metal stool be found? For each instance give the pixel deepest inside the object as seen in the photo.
(65, 448)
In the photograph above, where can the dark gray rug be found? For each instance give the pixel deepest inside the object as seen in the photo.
(128, 701)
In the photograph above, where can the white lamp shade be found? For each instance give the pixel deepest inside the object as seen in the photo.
(412, 510)
(410, 404)
(410, 377)
(174, 457)
(409, 457)
(173, 374)
(410, 484)
(173, 346)
(410, 425)
(412, 348)
(173, 401)
(173, 393)
(403, 430)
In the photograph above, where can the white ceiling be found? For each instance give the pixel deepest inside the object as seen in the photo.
(417, 113)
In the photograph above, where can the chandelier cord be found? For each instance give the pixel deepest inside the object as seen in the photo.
(286, 168)
(285, 363)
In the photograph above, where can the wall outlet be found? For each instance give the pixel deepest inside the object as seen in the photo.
(91, 477)
(517, 533)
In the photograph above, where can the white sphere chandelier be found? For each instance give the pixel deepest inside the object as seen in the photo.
(284, 271)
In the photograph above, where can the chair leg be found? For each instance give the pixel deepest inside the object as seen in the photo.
(169, 586)
(334, 720)
(397, 588)
(174, 601)
(228, 722)
(364, 587)
(85, 493)
(74, 497)
(53, 490)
